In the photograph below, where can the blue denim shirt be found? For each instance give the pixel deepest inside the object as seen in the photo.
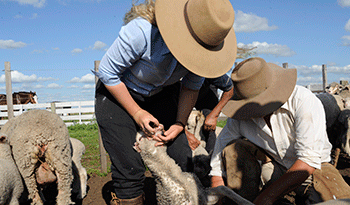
(140, 59)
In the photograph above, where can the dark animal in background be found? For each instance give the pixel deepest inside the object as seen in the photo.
(337, 121)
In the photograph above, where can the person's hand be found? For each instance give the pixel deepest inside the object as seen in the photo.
(193, 142)
(146, 121)
(210, 123)
(170, 134)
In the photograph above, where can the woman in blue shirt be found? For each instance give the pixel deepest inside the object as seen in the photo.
(139, 89)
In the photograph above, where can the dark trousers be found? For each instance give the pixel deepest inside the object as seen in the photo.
(118, 132)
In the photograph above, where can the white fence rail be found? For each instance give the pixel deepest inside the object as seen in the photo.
(78, 112)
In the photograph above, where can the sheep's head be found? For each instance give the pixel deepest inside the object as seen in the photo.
(145, 144)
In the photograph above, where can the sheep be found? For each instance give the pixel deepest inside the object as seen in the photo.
(11, 184)
(337, 118)
(47, 179)
(80, 174)
(36, 137)
(194, 125)
(174, 186)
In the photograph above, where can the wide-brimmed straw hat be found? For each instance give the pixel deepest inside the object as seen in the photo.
(260, 88)
(199, 34)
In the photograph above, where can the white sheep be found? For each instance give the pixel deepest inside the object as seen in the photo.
(80, 174)
(36, 137)
(175, 187)
(11, 184)
(194, 125)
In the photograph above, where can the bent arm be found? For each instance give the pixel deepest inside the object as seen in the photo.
(142, 117)
(211, 119)
(187, 100)
(293, 178)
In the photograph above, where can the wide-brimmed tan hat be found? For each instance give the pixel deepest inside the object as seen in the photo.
(199, 34)
(260, 88)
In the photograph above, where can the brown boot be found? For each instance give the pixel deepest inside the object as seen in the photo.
(134, 201)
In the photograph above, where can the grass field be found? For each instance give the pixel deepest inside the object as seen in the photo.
(88, 134)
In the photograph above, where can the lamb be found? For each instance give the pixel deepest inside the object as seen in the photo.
(174, 186)
(36, 137)
(11, 184)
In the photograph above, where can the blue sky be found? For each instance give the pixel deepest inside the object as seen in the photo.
(52, 44)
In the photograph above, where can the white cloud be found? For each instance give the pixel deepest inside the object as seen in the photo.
(347, 26)
(18, 16)
(269, 49)
(251, 23)
(346, 41)
(77, 50)
(88, 78)
(11, 44)
(34, 16)
(54, 86)
(18, 77)
(56, 49)
(88, 86)
(73, 86)
(35, 3)
(99, 45)
(344, 3)
(313, 74)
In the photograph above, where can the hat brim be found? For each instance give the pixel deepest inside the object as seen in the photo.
(282, 86)
(209, 63)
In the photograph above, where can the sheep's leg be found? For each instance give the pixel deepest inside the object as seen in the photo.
(64, 181)
(30, 181)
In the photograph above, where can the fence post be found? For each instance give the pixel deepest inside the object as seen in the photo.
(324, 77)
(103, 154)
(9, 98)
(53, 107)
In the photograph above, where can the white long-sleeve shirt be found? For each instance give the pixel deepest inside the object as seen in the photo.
(298, 132)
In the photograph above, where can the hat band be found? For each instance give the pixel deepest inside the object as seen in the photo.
(193, 33)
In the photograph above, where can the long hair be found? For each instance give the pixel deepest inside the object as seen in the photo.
(144, 10)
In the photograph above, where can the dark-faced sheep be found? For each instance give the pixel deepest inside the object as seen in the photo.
(11, 184)
(175, 187)
(337, 121)
(36, 137)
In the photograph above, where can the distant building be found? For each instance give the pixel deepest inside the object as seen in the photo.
(315, 88)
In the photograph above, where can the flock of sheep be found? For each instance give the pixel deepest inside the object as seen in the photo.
(336, 102)
(36, 150)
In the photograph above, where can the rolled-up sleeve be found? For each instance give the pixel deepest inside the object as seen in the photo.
(229, 133)
(192, 81)
(310, 126)
(124, 52)
(224, 82)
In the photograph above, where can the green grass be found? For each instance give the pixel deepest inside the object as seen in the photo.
(221, 123)
(88, 135)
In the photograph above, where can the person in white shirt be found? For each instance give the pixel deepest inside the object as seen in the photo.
(275, 136)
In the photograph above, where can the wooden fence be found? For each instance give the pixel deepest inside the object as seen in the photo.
(78, 112)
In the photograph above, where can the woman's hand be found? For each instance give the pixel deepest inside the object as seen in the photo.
(170, 134)
(146, 121)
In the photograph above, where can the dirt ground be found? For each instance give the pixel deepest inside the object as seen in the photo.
(99, 187)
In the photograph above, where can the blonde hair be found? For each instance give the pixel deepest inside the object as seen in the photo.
(144, 10)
